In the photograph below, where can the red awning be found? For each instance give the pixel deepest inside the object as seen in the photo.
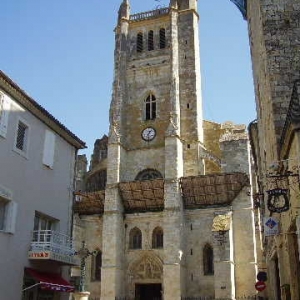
(50, 281)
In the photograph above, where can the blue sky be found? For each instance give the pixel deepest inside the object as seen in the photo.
(61, 53)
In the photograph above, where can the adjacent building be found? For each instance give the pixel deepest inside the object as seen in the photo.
(274, 41)
(37, 164)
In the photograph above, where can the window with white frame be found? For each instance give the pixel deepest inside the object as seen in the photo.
(22, 137)
(49, 149)
(3, 208)
(43, 225)
(8, 214)
(4, 111)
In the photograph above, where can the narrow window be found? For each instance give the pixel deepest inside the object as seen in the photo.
(150, 40)
(49, 148)
(3, 207)
(208, 260)
(8, 215)
(4, 111)
(22, 134)
(96, 267)
(162, 38)
(150, 107)
(135, 238)
(157, 238)
(139, 42)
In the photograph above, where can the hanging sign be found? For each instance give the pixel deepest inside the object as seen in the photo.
(260, 286)
(261, 276)
(270, 226)
(278, 200)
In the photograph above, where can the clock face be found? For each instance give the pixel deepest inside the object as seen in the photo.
(148, 134)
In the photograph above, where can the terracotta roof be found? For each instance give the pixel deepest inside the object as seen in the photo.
(211, 190)
(40, 112)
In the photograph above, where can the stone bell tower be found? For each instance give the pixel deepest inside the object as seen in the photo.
(155, 130)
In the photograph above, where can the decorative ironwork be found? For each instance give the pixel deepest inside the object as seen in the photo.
(83, 254)
(150, 14)
(278, 200)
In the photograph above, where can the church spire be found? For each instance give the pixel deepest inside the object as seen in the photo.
(124, 11)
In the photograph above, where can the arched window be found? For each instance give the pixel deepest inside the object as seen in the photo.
(139, 42)
(148, 174)
(150, 40)
(208, 260)
(135, 238)
(157, 238)
(96, 267)
(162, 38)
(150, 107)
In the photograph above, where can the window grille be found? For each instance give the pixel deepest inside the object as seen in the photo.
(139, 42)
(162, 38)
(208, 260)
(157, 238)
(150, 40)
(21, 136)
(150, 107)
(135, 238)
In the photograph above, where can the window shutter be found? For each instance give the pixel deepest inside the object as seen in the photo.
(49, 147)
(11, 217)
(4, 116)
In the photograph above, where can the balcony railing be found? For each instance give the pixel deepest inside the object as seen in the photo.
(49, 240)
(52, 245)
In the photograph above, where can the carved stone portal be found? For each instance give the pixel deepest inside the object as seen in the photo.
(146, 267)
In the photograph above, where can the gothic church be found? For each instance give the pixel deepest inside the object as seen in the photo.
(167, 198)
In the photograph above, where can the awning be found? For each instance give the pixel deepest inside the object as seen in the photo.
(50, 281)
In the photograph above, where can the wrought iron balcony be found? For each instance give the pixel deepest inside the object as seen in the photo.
(52, 245)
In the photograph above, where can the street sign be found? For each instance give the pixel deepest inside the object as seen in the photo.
(261, 276)
(270, 226)
(260, 286)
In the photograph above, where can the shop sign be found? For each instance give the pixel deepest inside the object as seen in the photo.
(68, 259)
(39, 255)
(278, 200)
(260, 286)
(271, 226)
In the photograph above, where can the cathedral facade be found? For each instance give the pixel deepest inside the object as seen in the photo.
(167, 198)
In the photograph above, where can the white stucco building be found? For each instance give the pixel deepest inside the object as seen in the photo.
(37, 161)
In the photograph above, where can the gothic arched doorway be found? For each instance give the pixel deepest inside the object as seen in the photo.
(145, 278)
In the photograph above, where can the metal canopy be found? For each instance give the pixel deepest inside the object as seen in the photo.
(142, 196)
(89, 203)
(211, 190)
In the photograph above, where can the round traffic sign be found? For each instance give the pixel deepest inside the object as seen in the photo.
(261, 276)
(260, 286)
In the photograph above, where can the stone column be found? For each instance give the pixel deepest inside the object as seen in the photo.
(112, 284)
(298, 233)
(224, 267)
(173, 220)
